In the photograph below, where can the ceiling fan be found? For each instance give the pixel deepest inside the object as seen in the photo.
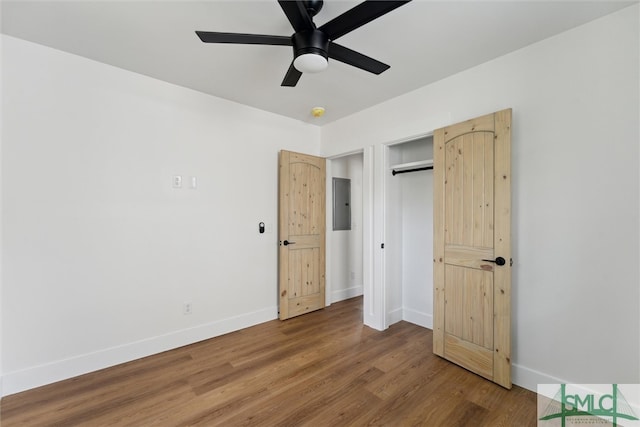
(313, 46)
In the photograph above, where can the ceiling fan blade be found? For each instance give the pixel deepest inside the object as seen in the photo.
(292, 76)
(297, 14)
(356, 59)
(358, 16)
(239, 38)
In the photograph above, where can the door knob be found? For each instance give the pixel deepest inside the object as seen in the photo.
(287, 243)
(498, 261)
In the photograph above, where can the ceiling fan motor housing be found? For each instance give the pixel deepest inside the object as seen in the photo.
(313, 41)
(310, 51)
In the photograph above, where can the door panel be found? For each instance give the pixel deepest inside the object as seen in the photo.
(304, 278)
(469, 313)
(302, 227)
(472, 213)
(468, 222)
(475, 358)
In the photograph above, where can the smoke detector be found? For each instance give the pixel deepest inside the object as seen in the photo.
(317, 112)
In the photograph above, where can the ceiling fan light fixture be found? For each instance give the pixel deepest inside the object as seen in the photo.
(310, 63)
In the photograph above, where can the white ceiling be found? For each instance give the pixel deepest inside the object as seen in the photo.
(423, 41)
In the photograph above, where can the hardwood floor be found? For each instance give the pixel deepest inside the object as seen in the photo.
(321, 369)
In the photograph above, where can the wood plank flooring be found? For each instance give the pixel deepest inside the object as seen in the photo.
(321, 369)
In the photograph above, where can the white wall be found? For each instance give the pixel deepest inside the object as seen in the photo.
(346, 245)
(100, 252)
(575, 100)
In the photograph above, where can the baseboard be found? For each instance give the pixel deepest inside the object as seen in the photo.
(418, 318)
(344, 294)
(530, 378)
(15, 382)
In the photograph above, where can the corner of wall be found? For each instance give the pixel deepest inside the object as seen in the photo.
(530, 378)
(394, 316)
(343, 294)
(417, 317)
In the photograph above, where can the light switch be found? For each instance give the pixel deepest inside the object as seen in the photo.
(193, 182)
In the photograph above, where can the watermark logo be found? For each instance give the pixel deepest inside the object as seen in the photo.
(588, 405)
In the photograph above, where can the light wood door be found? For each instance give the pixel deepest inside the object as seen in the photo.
(301, 233)
(472, 236)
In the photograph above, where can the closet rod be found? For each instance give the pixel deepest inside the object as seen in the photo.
(426, 168)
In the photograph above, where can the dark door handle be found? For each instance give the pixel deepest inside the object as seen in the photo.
(498, 261)
(287, 243)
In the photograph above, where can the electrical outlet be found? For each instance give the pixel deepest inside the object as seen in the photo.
(187, 308)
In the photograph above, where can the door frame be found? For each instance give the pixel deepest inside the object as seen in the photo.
(388, 315)
(329, 222)
(373, 287)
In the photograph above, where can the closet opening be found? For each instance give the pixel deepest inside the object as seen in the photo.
(408, 232)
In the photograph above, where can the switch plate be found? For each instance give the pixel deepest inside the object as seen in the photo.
(193, 182)
(177, 181)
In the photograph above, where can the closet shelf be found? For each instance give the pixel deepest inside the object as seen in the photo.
(412, 165)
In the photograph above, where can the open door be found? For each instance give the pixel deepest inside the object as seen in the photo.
(301, 263)
(472, 245)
